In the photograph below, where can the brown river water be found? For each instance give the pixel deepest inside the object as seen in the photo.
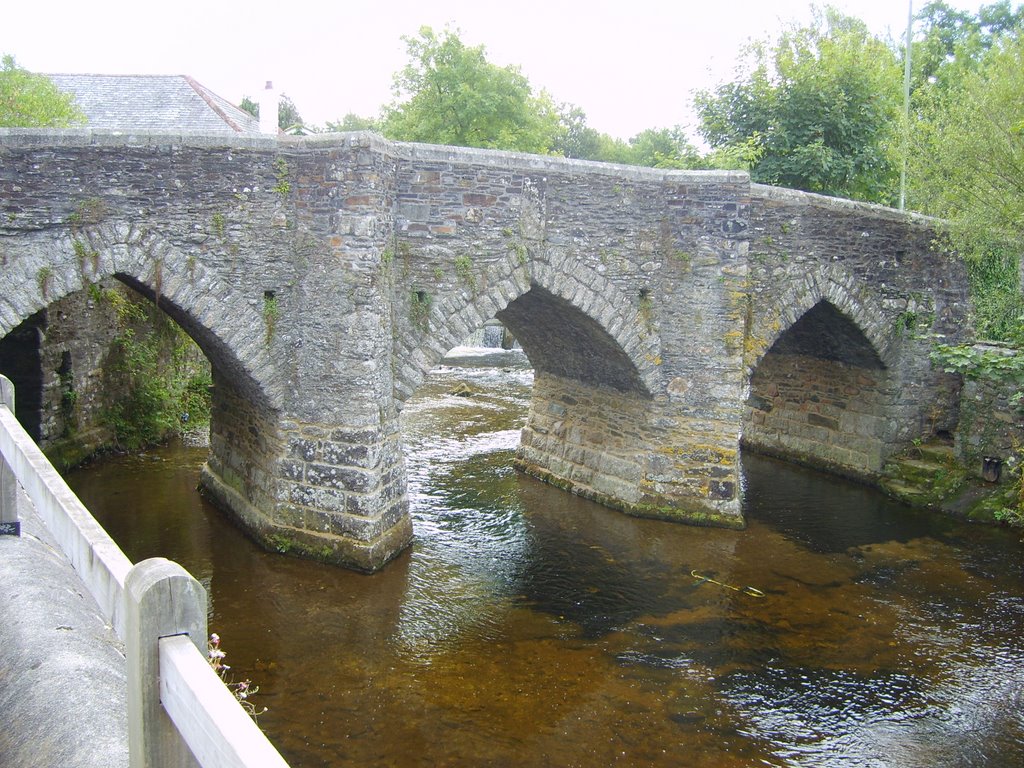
(528, 627)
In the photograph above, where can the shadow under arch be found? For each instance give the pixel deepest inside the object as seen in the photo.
(576, 326)
(560, 340)
(224, 360)
(837, 290)
(820, 395)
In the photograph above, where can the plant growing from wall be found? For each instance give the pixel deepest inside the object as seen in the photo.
(68, 395)
(519, 251)
(420, 303)
(44, 277)
(86, 256)
(464, 271)
(906, 323)
(645, 309)
(515, 245)
(283, 186)
(271, 314)
(1001, 368)
(92, 210)
(218, 224)
(972, 363)
(162, 376)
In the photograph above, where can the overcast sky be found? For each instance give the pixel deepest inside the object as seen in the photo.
(630, 64)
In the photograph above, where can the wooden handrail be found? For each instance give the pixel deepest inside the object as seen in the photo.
(99, 562)
(215, 727)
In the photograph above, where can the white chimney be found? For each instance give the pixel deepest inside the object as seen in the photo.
(268, 109)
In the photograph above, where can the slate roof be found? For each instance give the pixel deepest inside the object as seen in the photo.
(154, 102)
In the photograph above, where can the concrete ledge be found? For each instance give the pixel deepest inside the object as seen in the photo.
(63, 682)
(100, 563)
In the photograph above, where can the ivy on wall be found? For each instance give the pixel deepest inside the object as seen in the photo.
(164, 377)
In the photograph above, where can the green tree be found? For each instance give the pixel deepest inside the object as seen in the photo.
(664, 148)
(250, 106)
(952, 42)
(818, 110)
(449, 93)
(29, 100)
(573, 137)
(967, 166)
(353, 122)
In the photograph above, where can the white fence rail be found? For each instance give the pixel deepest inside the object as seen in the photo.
(99, 562)
(179, 711)
(216, 729)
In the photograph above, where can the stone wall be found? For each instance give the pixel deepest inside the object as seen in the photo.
(585, 438)
(991, 425)
(870, 288)
(58, 360)
(602, 273)
(827, 413)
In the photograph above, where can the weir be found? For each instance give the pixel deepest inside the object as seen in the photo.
(668, 314)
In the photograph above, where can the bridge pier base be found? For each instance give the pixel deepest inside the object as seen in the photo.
(331, 492)
(631, 453)
(363, 544)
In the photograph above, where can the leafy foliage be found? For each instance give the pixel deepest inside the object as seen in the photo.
(164, 375)
(820, 107)
(953, 41)
(450, 93)
(353, 122)
(967, 166)
(288, 118)
(29, 100)
(972, 363)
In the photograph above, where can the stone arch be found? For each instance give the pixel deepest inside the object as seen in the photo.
(246, 444)
(601, 322)
(819, 377)
(594, 417)
(226, 325)
(772, 318)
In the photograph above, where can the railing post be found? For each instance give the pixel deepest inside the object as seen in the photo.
(9, 524)
(161, 599)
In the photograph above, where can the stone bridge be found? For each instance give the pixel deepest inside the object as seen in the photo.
(669, 315)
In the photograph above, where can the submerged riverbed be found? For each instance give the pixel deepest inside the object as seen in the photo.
(529, 627)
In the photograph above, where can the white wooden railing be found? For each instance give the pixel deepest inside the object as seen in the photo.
(179, 711)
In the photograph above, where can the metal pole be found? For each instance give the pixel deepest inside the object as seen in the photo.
(906, 107)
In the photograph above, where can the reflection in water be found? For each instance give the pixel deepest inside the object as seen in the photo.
(529, 627)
